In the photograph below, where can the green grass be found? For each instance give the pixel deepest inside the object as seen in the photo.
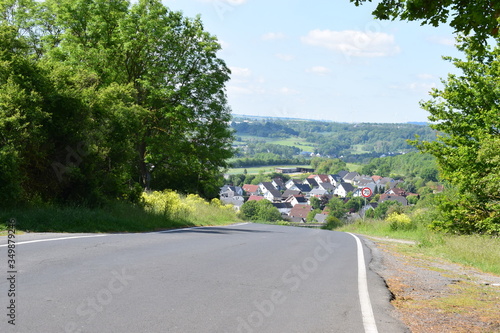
(354, 167)
(358, 149)
(300, 143)
(265, 169)
(117, 217)
(482, 252)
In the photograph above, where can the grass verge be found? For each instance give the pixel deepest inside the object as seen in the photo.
(434, 295)
(169, 211)
(482, 252)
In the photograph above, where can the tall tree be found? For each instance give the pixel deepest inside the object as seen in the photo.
(127, 92)
(467, 112)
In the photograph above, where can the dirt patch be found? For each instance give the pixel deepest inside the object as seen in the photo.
(434, 295)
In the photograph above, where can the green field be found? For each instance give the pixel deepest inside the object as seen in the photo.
(358, 149)
(265, 169)
(354, 167)
(300, 143)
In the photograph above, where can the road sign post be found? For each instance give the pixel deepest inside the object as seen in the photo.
(366, 192)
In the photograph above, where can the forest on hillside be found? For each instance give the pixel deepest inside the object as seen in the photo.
(271, 138)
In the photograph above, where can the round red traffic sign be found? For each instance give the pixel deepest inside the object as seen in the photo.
(366, 192)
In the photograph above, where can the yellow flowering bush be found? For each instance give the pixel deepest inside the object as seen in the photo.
(399, 221)
(168, 203)
(191, 208)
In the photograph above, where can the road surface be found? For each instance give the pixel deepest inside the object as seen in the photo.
(239, 278)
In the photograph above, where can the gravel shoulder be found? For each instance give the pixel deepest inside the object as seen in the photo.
(435, 295)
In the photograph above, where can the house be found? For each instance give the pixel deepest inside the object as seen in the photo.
(311, 182)
(322, 179)
(228, 191)
(390, 197)
(283, 207)
(279, 184)
(236, 202)
(299, 213)
(304, 188)
(371, 186)
(386, 180)
(297, 200)
(342, 189)
(376, 178)
(297, 185)
(273, 196)
(251, 189)
(349, 178)
(363, 181)
(288, 193)
(255, 197)
(270, 192)
(292, 182)
(327, 187)
(335, 179)
(396, 191)
(318, 193)
(342, 173)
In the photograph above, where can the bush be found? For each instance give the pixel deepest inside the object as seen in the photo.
(399, 221)
(332, 223)
(191, 209)
(262, 210)
(167, 203)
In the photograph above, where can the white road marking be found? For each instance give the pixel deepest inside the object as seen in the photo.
(238, 224)
(90, 236)
(364, 297)
(202, 227)
(52, 239)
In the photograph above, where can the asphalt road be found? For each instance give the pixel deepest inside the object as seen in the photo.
(240, 278)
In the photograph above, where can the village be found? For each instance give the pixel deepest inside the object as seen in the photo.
(293, 198)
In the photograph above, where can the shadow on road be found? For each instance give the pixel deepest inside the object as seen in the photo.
(215, 230)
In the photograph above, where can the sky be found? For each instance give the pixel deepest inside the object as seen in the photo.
(324, 59)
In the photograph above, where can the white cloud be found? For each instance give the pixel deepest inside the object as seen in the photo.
(320, 70)
(234, 90)
(240, 72)
(284, 57)
(425, 76)
(273, 36)
(353, 43)
(447, 41)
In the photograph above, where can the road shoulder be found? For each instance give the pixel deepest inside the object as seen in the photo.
(434, 295)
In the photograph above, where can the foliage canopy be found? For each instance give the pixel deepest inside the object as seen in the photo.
(467, 112)
(101, 98)
(478, 18)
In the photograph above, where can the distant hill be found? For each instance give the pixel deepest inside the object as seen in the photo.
(420, 123)
(353, 142)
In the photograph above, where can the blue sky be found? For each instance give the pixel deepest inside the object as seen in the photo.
(324, 59)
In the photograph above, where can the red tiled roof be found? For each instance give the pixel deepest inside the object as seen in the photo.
(250, 188)
(300, 211)
(255, 197)
(324, 178)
